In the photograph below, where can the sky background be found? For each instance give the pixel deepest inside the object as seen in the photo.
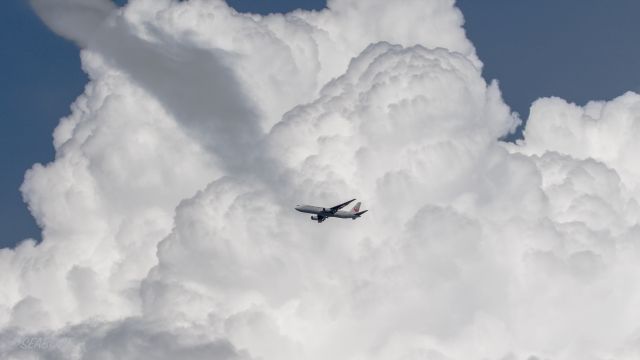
(576, 49)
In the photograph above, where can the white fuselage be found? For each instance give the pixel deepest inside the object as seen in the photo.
(316, 210)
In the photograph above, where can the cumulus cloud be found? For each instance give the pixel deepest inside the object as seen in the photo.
(168, 228)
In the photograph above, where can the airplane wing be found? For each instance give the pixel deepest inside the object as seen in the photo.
(335, 209)
(358, 214)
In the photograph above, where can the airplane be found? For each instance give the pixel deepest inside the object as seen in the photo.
(321, 214)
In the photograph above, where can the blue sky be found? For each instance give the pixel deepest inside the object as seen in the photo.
(576, 49)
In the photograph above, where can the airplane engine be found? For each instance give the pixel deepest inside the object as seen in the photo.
(314, 218)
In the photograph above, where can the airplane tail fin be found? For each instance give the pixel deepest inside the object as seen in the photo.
(356, 208)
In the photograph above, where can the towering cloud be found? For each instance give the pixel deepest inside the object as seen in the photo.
(168, 229)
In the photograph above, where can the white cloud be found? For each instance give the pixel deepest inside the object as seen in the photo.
(76, 20)
(167, 214)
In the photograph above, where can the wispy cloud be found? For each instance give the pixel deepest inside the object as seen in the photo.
(76, 20)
